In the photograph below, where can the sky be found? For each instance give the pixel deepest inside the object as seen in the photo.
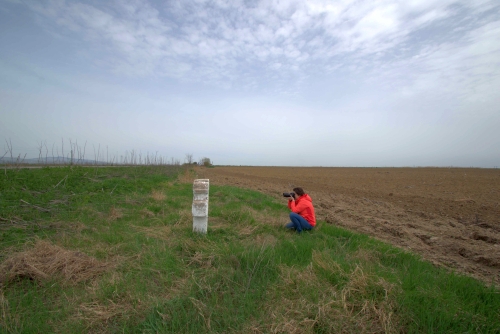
(277, 83)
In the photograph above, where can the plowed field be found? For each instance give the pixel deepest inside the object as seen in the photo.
(450, 216)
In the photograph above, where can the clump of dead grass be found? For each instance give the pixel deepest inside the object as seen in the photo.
(365, 301)
(185, 218)
(201, 260)
(97, 313)
(6, 317)
(190, 247)
(45, 261)
(114, 214)
(289, 311)
(145, 213)
(359, 303)
(247, 230)
(158, 232)
(368, 303)
(158, 195)
(215, 223)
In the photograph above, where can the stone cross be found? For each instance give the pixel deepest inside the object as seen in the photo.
(200, 205)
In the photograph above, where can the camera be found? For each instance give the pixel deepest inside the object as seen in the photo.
(292, 194)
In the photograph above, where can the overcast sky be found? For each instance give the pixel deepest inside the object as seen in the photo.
(302, 83)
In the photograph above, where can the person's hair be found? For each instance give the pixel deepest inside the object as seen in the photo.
(299, 191)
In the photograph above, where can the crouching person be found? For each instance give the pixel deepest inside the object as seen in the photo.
(302, 216)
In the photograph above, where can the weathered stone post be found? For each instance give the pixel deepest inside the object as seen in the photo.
(200, 205)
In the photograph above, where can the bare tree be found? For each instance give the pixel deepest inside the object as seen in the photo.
(46, 152)
(40, 151)
(62, 149)
(84, 148)
(189, 158)
(9, 149)
(53, 161)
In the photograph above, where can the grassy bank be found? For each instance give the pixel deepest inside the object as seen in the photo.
(111, 250)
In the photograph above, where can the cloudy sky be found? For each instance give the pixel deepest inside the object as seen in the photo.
(278, 82)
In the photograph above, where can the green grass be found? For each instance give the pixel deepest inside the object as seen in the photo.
(246, 275)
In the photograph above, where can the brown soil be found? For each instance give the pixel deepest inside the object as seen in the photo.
(450, 216)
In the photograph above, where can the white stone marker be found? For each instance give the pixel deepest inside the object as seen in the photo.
(200, 205)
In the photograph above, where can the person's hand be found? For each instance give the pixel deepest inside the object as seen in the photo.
(291, 199)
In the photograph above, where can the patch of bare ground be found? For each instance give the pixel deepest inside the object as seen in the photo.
(450, 216)
(43, 261)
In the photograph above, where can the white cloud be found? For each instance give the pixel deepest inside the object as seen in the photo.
(199, 31)
(467, 69)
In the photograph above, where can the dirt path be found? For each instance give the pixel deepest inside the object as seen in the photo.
(450, 216)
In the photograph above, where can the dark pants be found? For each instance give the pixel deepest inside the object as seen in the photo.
(298, 223)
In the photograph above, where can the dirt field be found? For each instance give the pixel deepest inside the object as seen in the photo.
(450, 216)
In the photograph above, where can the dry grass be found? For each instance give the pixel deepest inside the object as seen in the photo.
(188, 176)
(367, 314)
(364, 303)
(261, 240)
(133, 199)
(158, 195)
(114, 214)
(201, 260)
(95, 312)
(366, 256)
(185, 218)
(203, 311)
(190, 247)
(247, 230)
(45, 261)
(215, 223)
(288, 310)
(158, 232)
(6, 318)
(145, 213)
(266, 217)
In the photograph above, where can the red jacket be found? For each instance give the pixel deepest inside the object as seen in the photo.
(304, 207)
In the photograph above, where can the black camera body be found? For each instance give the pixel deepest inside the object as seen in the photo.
(292, 194)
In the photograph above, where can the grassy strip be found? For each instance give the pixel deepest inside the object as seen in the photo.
(246, 275)
(41, 202)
